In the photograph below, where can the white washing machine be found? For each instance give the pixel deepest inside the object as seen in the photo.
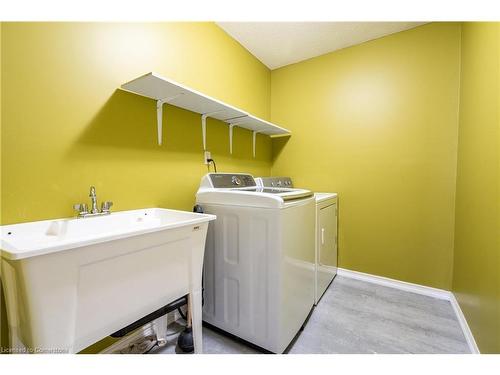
(326, 233)
(259, 268)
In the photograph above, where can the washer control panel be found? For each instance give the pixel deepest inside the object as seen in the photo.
(279, 182)
(231, 180)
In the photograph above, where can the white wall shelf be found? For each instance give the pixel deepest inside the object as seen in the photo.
(164, 90)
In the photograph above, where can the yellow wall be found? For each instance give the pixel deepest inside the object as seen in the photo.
(476, 277)
(65, 126)
(3, 320)
(377, 123)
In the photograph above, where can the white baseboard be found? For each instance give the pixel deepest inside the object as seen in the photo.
(398, 284)
(465, 326)
(418, 289)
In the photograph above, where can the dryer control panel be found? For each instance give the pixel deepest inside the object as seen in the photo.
(231, 180)
(277, 182)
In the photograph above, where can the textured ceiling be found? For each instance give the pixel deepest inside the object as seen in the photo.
(277, 44)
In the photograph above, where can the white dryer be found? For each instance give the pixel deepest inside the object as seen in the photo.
(259, 268)
(326, 233)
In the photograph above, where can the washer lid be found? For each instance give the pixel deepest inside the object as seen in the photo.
(284, 193)
(240, 189)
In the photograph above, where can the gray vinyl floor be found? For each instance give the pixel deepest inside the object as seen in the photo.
(359, 317)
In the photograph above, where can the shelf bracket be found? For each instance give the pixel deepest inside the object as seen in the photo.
(204, 126)
(254, 136)
(232, 123)
(231, 126)
(159, 114)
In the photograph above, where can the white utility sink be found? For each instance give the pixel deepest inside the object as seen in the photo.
(71, 282)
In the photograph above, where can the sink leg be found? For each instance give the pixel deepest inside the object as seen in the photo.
(160, 329)
(194, 302)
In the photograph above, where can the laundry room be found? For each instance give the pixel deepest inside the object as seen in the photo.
(221, 185)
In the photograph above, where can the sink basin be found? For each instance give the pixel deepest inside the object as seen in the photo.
(71, 282)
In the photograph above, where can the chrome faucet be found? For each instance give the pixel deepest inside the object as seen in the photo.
(83, 211)
(93, 198)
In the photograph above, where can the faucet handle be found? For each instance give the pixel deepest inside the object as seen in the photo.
(106, 206)
(81, 208)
